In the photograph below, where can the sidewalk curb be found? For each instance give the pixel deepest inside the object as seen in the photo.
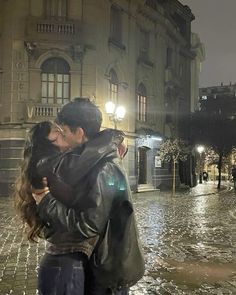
(184, 191)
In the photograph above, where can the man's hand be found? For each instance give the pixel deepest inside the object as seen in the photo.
(39, 194)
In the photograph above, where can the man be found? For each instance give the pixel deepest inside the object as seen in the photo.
(100, 221)
(234, 176)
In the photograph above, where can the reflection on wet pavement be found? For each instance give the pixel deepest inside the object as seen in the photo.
(189, 242)
(196, 273)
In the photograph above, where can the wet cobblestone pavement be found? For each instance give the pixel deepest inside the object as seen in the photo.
(189, 242)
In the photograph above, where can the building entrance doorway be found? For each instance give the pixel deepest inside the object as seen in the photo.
(142, 165)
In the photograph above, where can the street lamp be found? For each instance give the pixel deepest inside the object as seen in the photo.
(200, 150)
(115, 113)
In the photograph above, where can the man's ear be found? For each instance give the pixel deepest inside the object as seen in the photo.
(80, 135)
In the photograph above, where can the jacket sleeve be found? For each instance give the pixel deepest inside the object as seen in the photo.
(89, 219)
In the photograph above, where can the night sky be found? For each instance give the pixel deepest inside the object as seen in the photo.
(215, 23)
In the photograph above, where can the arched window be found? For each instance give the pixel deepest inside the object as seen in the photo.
(113, 86)
(56, 8)
(142, 103)
(55, 80)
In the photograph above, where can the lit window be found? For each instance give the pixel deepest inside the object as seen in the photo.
(55, 81)
(142, 104)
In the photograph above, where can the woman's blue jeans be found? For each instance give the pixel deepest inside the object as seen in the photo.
(62, 274)
(65, 275)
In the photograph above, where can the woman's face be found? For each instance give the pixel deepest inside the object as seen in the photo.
(56, 137)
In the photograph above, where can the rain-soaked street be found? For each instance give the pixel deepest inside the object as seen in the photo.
(189, 242)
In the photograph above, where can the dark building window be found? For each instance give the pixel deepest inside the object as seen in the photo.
(181, 23)
(169, 57)
(56, 8)
(144, 44)
(142, 103)
(116, 24)
(154, 3)
(55, 79)
(113, 86)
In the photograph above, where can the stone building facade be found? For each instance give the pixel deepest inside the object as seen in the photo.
(199, 50)
(136, 53)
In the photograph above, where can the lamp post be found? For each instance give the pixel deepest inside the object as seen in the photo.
(115, 113)
(200, 150)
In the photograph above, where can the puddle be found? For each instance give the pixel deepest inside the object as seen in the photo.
(194, 274)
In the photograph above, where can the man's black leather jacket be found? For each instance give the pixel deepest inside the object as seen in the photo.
(101, 195)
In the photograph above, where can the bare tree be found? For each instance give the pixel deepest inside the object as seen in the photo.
(174, 150)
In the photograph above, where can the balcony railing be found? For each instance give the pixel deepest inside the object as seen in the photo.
(42, 111)
(53, 29)
(45, 27)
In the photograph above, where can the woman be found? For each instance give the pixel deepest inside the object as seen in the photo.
(43, 141)
(43, 157)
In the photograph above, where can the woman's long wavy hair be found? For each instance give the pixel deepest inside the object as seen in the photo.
(37, 146)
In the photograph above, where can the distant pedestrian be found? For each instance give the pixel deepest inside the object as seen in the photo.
(234, 177)
(205, 176)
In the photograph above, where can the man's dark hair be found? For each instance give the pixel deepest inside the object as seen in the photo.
(81, 113)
